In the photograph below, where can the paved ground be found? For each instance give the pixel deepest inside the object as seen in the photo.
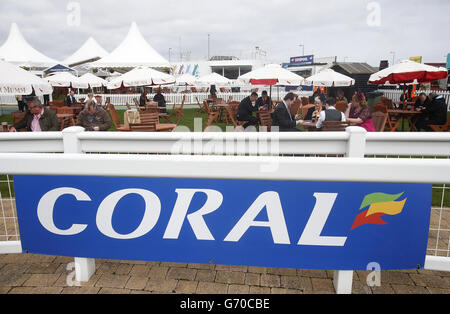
(21, 273)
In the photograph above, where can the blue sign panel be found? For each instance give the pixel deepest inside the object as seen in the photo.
(448, 61)
(286, 224)
(304, 60)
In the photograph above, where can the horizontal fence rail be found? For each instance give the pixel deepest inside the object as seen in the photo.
(231, 143)
(231, 167)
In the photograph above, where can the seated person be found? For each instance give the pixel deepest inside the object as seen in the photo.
(70, 99)
(159, 98)
(143, 99)
(340, 96)
(434, 114)
(37, 118)
(422, 102)
(264, 101)
(90, 97)
(358, 113)
(282, 117)
(330, 113)
(313, 112)
(94, 118)
(246, 109)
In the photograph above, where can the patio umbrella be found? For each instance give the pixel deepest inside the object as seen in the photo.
(407, 72)
(186, 79)
(141, 76)
(329, 78)
(65, 79)
(93, 80)
(272, 74)
(16, 81)
(213, 79)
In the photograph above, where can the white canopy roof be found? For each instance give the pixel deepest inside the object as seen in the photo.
(132, 52)
(186, 79)
(141, 76)
(18, 51)
(90, 50)
(92, 80)
(65, 79)
(17, 81)
(329, 78)
(213, 79)
(271, 74)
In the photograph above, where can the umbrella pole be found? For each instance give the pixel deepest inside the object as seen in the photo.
(404, 96)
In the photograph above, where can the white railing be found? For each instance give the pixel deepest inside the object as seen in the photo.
(395, 94)
(262, 156)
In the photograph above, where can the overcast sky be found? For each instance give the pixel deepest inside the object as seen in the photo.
(351, 29)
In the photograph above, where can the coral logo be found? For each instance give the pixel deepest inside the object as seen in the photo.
(379, 204)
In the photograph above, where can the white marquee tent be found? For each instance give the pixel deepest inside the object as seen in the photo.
(16, 81)
(134, 51)
(89, 51)
(18, 51)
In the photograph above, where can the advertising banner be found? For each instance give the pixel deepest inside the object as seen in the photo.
(284, 224)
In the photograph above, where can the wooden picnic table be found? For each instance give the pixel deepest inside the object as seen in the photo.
(402, 115)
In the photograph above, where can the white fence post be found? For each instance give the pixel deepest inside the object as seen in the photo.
(343, 279)
(85, 267)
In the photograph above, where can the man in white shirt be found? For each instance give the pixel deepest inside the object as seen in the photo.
(330, 114)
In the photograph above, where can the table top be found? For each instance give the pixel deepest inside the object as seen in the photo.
(399, 111)
(308, 123)
(64, 115)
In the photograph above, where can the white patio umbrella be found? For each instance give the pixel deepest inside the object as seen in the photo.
(213, 79)
(16, 81)
(271, 74)
(141, 76)
(93, 80)
(65, 79)
(329, 78)
(186, 79)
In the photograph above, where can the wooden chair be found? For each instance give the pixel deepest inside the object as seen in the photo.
(115, 119)
(57, 103)
(379, 120)
(305, 110)
(201, 106)
(441, 128)
(64, 110)
(178, 112)
(153, 119)
(305, 101)
(295, 107)
(18, 116)
(212, 115)
(341, 106)
(266, 118)
(379, 107)
(334, 126)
